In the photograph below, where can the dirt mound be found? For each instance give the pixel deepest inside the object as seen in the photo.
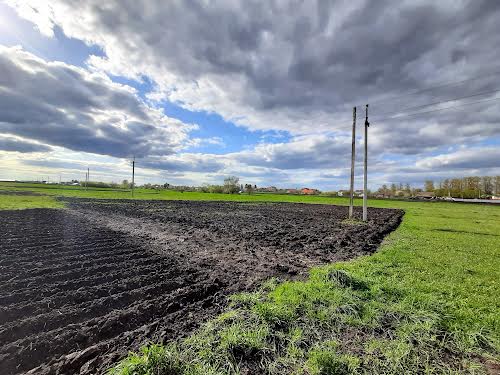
(80, 287)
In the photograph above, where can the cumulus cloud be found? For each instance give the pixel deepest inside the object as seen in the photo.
(286, 65)
(292, 66)
(62, 105)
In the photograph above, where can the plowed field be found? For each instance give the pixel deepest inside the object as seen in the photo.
(79, 287)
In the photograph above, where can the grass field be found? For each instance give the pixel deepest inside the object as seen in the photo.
(427, 302)
(19, 202)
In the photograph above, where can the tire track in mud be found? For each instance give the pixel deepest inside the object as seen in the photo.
(80, 287)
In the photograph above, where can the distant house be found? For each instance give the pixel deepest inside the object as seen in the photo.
(425, 195)
(292, 191)
(308, 191)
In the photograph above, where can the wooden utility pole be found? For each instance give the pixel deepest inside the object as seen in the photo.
(365, 179)
(133, 175)
(353, 157)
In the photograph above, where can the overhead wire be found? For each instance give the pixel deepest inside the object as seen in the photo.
(403, 115)
(400, 113)
(436, 110)
(440, 102)
(452, 83)
(433, 88)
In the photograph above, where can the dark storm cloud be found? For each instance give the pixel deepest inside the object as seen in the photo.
(21, 145)
(66, 106)
(369, 49)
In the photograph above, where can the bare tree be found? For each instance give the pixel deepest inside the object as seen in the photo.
(408, 189)
(231, 184)
(394, 188)
(249, 188)
(487, 183)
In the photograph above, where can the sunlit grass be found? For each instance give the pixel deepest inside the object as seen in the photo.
(19, 202)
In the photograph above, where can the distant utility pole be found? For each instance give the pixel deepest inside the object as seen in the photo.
(133, 175)
(365, 180)
(353, 156)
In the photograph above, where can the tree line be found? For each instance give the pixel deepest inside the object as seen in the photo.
(466, 187)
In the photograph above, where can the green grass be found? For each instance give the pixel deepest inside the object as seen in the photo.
(426, 303)
(19, 202)
(149, 194)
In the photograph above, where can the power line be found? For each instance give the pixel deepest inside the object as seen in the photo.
(435, 103)
(436, 110)
(440, 102)
(395, 97)
(402, 115)
(432, 88)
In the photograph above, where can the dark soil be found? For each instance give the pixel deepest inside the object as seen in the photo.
(80, 287)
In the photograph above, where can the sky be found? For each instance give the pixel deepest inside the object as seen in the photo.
(264, 90)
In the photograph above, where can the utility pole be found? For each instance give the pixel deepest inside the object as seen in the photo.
(365, 179)
(88, 179)
(353, 157)
(133, 175)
